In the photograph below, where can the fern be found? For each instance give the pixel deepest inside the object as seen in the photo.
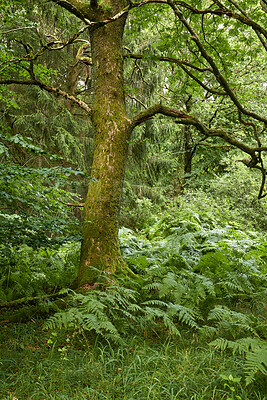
(91, 318)
(231, 322)
(255, 351)
(155, 314)
(59, 320)
(256, 361)
(112, 312)
(184, 314)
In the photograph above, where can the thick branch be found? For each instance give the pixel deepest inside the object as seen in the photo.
(156, 109)
(85, 11)
(32, 300)
(185, 119)
(75, 7)
(50, 89)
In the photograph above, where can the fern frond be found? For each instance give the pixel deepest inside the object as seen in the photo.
(135, 308)
(170, 325)
(155, 314)
(238, 346)
(184, 314)
(218, 313)
(59, 320)
(207, 331)
(256, 361)
(233, 322)
(92, 305)
(155, 302)
(152, 286)
(255, 351)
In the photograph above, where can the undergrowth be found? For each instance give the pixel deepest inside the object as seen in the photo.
(27, 272)
(193, 325)
(40, 366)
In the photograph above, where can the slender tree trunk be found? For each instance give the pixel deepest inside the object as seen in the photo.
(100, 247)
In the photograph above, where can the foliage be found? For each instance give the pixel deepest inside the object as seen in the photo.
(197, 280)
(110, 313)
(231, 197)
(255, 351)
(27, 272)
(192, 275)
(33, 212)
(218, 274)
(200, 263)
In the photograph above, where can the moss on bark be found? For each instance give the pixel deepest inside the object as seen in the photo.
(100, 247)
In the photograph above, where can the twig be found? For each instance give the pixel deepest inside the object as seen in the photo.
(71, 204)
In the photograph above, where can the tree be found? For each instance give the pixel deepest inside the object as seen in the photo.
(197, 56)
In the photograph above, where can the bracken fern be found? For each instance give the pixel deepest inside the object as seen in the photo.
(255, 351)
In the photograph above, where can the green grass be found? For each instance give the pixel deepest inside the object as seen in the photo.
(37, 365)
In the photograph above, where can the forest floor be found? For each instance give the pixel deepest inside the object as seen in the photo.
(40, 365)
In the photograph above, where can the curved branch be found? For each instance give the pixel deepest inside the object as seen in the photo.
(156, 109)
(76, 7)
(221, 11)
(244, 19)
(168, 59)
(181, 64)
(219, 76)
(50, 89)
(185, 119)
(85, 11)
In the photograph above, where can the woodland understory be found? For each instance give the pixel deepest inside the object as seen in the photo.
(133, 245)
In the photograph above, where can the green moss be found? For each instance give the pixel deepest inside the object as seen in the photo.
(100, 249)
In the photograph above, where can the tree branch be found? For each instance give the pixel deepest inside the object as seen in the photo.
(181, 64)
(218, 75)
(32, 300)
(156, 109)
(50, 89)
(75, 7)
(185, 119)
(221, 11)
(85, 11)
(50, 46)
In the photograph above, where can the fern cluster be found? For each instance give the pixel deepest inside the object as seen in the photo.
(112, 311)
(213, 278)
(27, 272)
(192, 276)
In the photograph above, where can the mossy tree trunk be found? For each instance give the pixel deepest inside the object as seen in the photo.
(100, 247)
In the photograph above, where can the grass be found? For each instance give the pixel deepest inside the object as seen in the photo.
(36, 365)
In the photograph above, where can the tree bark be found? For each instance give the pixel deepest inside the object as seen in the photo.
(100, 246)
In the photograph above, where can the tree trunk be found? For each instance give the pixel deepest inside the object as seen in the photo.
(100, 246)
